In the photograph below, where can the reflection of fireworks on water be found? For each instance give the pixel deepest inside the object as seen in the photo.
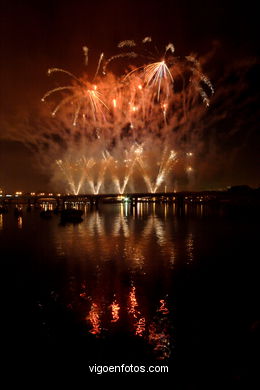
(115, 308)
(124, 126)
(159, 332)
(94, 318)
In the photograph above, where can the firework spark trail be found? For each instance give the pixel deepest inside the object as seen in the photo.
(131, 54)
(102, 164)
(122, 170)
(166, 163)
(165, 166)
(67, 169)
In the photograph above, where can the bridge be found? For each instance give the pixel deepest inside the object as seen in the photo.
(179, 198)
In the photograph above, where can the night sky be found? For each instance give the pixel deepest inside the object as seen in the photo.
(42, 34)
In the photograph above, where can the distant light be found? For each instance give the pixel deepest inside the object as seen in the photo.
(126, 199)
(8, 196)
(32, 193)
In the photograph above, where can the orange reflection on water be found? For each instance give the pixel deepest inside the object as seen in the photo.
(163, 308)
(139, 320)
(20, 222)
(83, 293)
(160, 341)
(133, 303)
(115, 310)
(94, 318)
(140, 327)
(159, 335)
(190, 248)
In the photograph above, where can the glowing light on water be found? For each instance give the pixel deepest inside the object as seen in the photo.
(163, 308)
(132, 308)
(94, 318)
(138, 320)
(20, 222)
(140, 327)
(115, 308)
(159, 335)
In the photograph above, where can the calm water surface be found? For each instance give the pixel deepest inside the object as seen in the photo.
(135, 285)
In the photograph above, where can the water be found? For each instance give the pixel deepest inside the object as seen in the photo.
(141, 285)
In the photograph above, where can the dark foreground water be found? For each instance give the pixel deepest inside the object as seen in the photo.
(136, 286)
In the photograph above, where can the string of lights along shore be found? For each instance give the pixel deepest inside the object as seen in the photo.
(119, 130)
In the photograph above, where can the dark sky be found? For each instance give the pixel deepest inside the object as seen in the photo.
(41, 34)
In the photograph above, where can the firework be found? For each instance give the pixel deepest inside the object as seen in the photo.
(113, 133)
(84, 97)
